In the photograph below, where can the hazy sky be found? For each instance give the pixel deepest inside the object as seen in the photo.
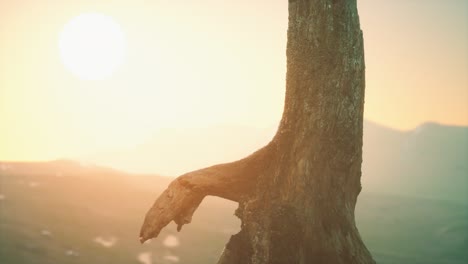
(207, 63)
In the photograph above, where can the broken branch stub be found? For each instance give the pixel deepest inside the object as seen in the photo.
(182, 197)
(177, 203)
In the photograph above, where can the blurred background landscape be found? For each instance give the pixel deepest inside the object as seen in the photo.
(413, 207)
(102, 103)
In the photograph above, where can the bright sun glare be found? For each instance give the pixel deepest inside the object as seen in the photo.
(92, 46)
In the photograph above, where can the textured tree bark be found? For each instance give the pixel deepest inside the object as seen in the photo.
(296, 195)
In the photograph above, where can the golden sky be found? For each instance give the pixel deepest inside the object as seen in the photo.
(207, 63)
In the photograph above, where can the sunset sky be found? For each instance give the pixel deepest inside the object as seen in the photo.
(189, 64)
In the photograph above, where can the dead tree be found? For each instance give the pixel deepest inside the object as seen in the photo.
(297, 194)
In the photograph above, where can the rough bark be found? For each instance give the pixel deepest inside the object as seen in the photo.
(297, 195)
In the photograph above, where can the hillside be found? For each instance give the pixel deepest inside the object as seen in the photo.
(65, 217)
(64, 212)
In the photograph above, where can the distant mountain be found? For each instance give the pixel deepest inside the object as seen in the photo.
(429, 161)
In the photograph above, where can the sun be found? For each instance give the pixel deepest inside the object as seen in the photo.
(92, 46)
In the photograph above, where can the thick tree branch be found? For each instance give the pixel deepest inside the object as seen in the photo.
(183, 196)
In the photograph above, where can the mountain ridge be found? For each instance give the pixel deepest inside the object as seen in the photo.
(428, 161)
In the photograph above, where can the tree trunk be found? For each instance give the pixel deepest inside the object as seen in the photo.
(296, 195)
